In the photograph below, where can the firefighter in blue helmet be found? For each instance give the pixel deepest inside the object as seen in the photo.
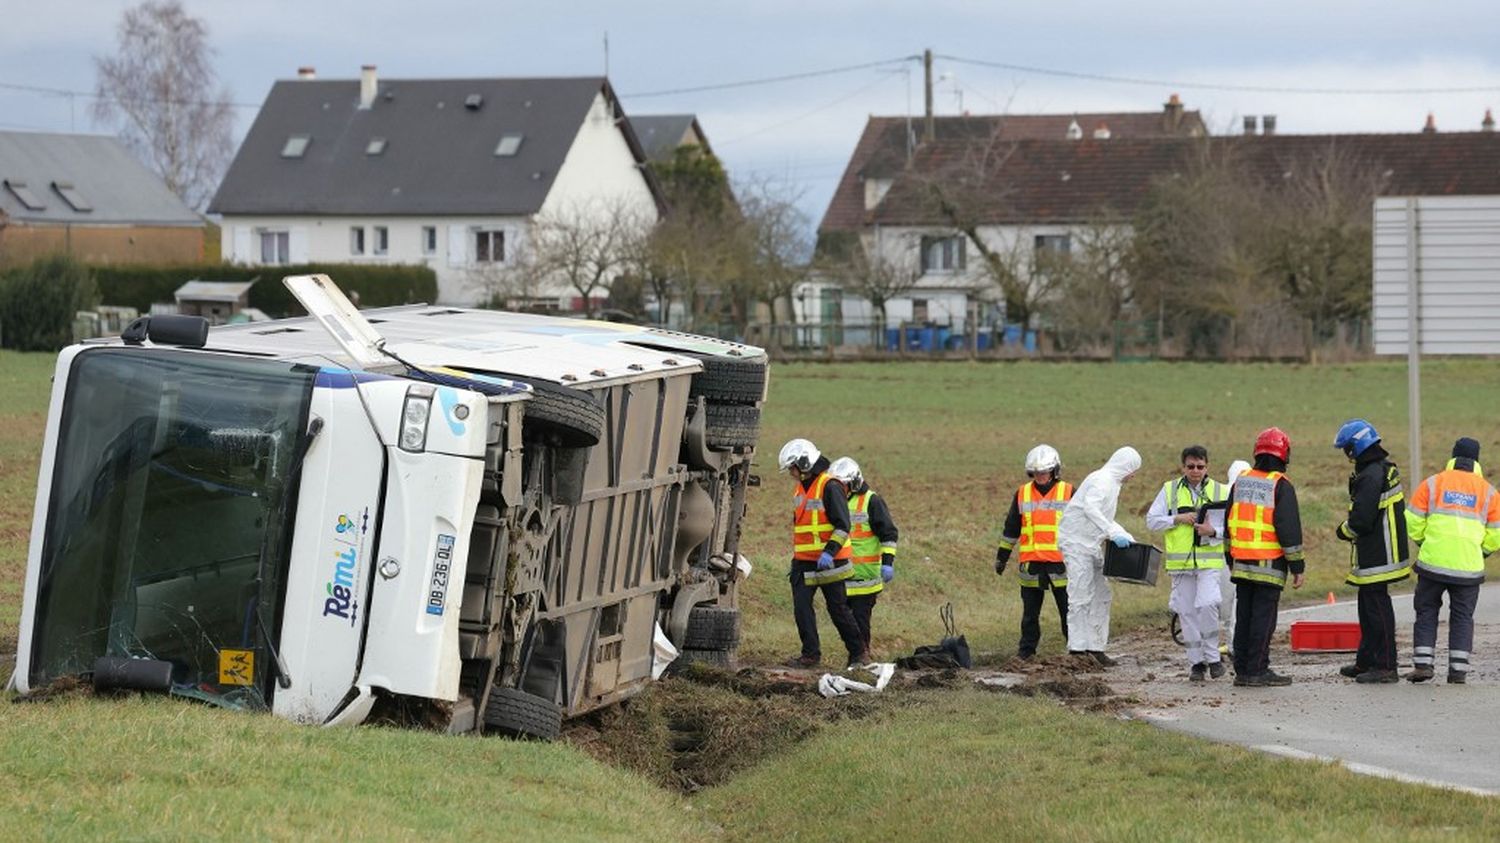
(1376, 529)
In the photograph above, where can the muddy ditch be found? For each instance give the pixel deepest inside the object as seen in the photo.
(703, 726)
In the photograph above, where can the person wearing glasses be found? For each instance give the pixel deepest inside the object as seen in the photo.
(1189, 512)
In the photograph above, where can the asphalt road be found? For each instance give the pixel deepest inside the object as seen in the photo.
(1434, 733)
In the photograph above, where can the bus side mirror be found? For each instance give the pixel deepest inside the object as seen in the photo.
(167, 329)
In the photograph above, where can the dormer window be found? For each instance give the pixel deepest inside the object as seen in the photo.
(376, 146)
(509, 145)
(295, 146)
(24, 194)
(70, 194)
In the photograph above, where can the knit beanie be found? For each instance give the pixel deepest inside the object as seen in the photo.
(1466, 448)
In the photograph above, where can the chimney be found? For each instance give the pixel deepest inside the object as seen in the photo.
(1101, 132)
(1250, 124)
(307, 71)
(1488, 124)
(1075, 131)
(1430, 128)
(367, 86)
(1171, 115)
(1268, 124)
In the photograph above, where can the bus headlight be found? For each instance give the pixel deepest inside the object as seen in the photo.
(414, 416)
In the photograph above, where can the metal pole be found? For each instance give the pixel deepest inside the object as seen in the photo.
(1413, 339)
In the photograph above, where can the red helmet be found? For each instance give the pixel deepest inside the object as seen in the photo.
(1274, 442)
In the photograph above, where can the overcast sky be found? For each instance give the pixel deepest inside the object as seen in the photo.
(801, 132)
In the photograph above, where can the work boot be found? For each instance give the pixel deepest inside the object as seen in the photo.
(804, 661)
(1273, 679)
(1457, 677)
(1420, 673)
(1216, 670)
(1103, 659)
(1025, 656)
(1198, 673)
(1243, 680)
(1377, 677)
(1353, 671)
(858, 660)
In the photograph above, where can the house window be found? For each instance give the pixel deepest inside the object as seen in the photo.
(1053, 244)
(919, 311)
(509, 145)
(295, 146)
(70, 194)
(944, 254)
(376, 146)
(382, 242)
(489, 246)
(357, 240)
(275, 247)
(429, 239)
(23, 193)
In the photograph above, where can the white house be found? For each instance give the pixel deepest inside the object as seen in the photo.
(452, 173)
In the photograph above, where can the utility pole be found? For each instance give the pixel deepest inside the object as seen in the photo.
(929, 130)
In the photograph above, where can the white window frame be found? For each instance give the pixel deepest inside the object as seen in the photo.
(944, 255)
(429, 240)
(489, 234)
(356, 240)
(380, 241)
(282, 239)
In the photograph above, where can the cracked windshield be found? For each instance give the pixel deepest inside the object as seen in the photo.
(172, 487)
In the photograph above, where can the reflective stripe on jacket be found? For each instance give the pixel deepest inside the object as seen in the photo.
(1040, 514)
(1454, 516)
(811, 533)
(1030, 579)
(1378, 555)
(865, 548)
(1185, 549)
(1256, 554)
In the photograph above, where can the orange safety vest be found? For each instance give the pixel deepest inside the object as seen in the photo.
(811, 531)
(1039, 517)
(1252, 531)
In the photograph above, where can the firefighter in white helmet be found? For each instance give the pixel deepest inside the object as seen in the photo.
(820, 551)
(1031, 524)
(872, 542)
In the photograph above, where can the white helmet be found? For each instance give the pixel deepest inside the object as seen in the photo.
(846, 471)
(1041, 459)
(798, 452)
(1237, 468)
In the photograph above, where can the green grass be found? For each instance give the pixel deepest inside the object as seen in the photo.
(943, 443)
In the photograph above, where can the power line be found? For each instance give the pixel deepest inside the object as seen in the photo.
(769, 80)
(64, 92)
(1213, 86)
(806, 114)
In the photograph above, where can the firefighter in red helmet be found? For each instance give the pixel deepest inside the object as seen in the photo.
(1264, 546)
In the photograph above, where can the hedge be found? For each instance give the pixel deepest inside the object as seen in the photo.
(378, 286)
(38, 302)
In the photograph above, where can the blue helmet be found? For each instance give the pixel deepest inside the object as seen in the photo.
(1356, 436)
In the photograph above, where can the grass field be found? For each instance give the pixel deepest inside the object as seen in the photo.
(943, 443)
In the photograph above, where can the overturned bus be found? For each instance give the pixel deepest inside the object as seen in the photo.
(490, 519)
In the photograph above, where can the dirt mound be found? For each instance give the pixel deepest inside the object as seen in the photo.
(703, 726)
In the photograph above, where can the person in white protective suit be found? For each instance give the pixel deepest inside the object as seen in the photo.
(1226, 588)
(1087, 522)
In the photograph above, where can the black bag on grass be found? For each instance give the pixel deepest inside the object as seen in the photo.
(951, 652)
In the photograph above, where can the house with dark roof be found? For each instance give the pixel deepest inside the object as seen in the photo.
(1035, 194)
(661, 134)
(86, 196)
(452, 173)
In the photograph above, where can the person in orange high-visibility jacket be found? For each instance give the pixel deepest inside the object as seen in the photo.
(821, 556)
(1031, 530)
(872, 538)
(1263, 537)
(1454, 518)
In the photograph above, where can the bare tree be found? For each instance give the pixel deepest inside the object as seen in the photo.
(1091, 286)
(877, 274)
(778, 244)
(161, 88)
(581, 248)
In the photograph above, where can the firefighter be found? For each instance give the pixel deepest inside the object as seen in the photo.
(1189, 511)
(1035, 510)
(1376, 529)
(1264, 540)
(1454, 518)
(872, 542)
(1087, 520)
(820, 551)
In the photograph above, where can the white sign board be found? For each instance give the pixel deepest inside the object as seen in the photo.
(1455, 250)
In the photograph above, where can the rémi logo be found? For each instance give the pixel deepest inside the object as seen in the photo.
(341, 587)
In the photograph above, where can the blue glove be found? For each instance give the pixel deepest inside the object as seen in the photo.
(825, 561)
(887, 573)
(1121, 541)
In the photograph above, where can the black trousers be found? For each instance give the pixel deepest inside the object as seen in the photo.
(1377, 628)
(807, 616)
(863, 606)
(1032, 600)
(1254, 623)
(1429, 599)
